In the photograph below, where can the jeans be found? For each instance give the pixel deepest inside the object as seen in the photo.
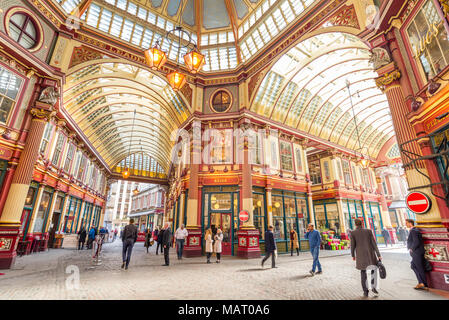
(166, 255)
(127, 250)
(315, 251)
(364, 279)
(267, 255)
(179, 247)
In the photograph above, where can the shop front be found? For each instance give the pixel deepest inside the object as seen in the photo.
(220, 210)
(54, 240)
(73, 211)
(3, 169)
(39, 229)
(290, 212)
(24, 246)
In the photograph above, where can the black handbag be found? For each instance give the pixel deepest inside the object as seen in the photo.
(427, 266)
(382, 270)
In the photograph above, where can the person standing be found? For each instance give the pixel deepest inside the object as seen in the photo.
(403, 235)
(314, 238)
(415, 246)
(386, 236)
(81, 238)
(166, 243)
(129, 237)
(147, 239)
(217, 245)
(180, 237)
(366, 254)
(294, 243)
(115, 233)
(91, 237)
(209, 242)
(270, 247)
(159, 237)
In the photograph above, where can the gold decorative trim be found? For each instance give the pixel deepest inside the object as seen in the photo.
(42, 114)
(387, 79)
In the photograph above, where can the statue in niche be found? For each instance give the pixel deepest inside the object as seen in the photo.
(49, 95)
(379, 58)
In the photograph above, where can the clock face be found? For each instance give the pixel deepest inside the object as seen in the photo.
(221, 101)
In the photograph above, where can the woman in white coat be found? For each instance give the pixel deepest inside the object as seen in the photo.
(217, 245)
(209, 247)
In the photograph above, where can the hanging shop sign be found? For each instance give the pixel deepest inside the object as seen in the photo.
(418, 202)
(244, 216)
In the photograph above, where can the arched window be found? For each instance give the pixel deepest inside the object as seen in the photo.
(23, 29)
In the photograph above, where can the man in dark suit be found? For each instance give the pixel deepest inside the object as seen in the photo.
(415, 246)
(129, 237)
(270, 247)
(166, 243)
(366, 254)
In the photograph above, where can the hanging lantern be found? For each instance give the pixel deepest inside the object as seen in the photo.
(277, 204)
(194, 60)
(155, 57)
(364, 162)
(136, 191)
(176, 79)
(125, 173)
(217, 206)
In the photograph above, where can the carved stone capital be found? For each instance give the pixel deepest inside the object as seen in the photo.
(43, 114)
(388, 78)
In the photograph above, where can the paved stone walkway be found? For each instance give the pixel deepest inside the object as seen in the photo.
(51, 275)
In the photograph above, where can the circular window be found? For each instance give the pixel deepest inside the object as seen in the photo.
(221, 101)
(23, 29)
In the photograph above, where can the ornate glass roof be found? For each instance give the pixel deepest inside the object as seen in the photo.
(306, 89)
(102, 96)
(228, 32)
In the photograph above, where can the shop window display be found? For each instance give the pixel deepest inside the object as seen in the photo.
(259, 214)
(39, 223)
(315, 172)
(286, 156)
(298, 159)
(429, 40)
(9, 89)
(278, 218)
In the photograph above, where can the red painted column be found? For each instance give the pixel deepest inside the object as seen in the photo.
(10, 219)
(193, 242)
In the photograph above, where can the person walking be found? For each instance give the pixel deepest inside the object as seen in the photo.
(314, 238)
(386, 236)
(166, 243)
(91, 237)
(217, 245)
(129, 237)
(115, 233)
(294, 243)
(270, 247)
(180, 237)
(81, 238)
(160, 235)
(147, 239)
(403, 235)
(415, 246)
(366, 254)
(209, 242)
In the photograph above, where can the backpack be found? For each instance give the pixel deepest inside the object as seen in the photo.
(382, 270)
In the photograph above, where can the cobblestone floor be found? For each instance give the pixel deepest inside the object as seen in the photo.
(50, 275)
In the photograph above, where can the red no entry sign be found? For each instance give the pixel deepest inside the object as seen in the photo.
(418, 202)
(244, 215)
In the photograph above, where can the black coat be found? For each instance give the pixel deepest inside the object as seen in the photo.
(415, 242)
(82, 235)
(167, 237)
(160, 235)
(270, 244)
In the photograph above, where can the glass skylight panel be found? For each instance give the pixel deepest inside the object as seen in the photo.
(127, 30)
(105, 20)
(132, 8)
(245, 50)
(231, 36)
(213, 38)
(287, 10)
(69, 5)
(264, 32)
(137, 34)
(94, 14)
(160, 22)
(224, 62)
(222, 37)
(116, 26)
(121, 4)
(151, 18)
(142, 13)
(111, 1)
(169, 26)
(204, 39)
(257, 40)
(251, 45)
(147, 38)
